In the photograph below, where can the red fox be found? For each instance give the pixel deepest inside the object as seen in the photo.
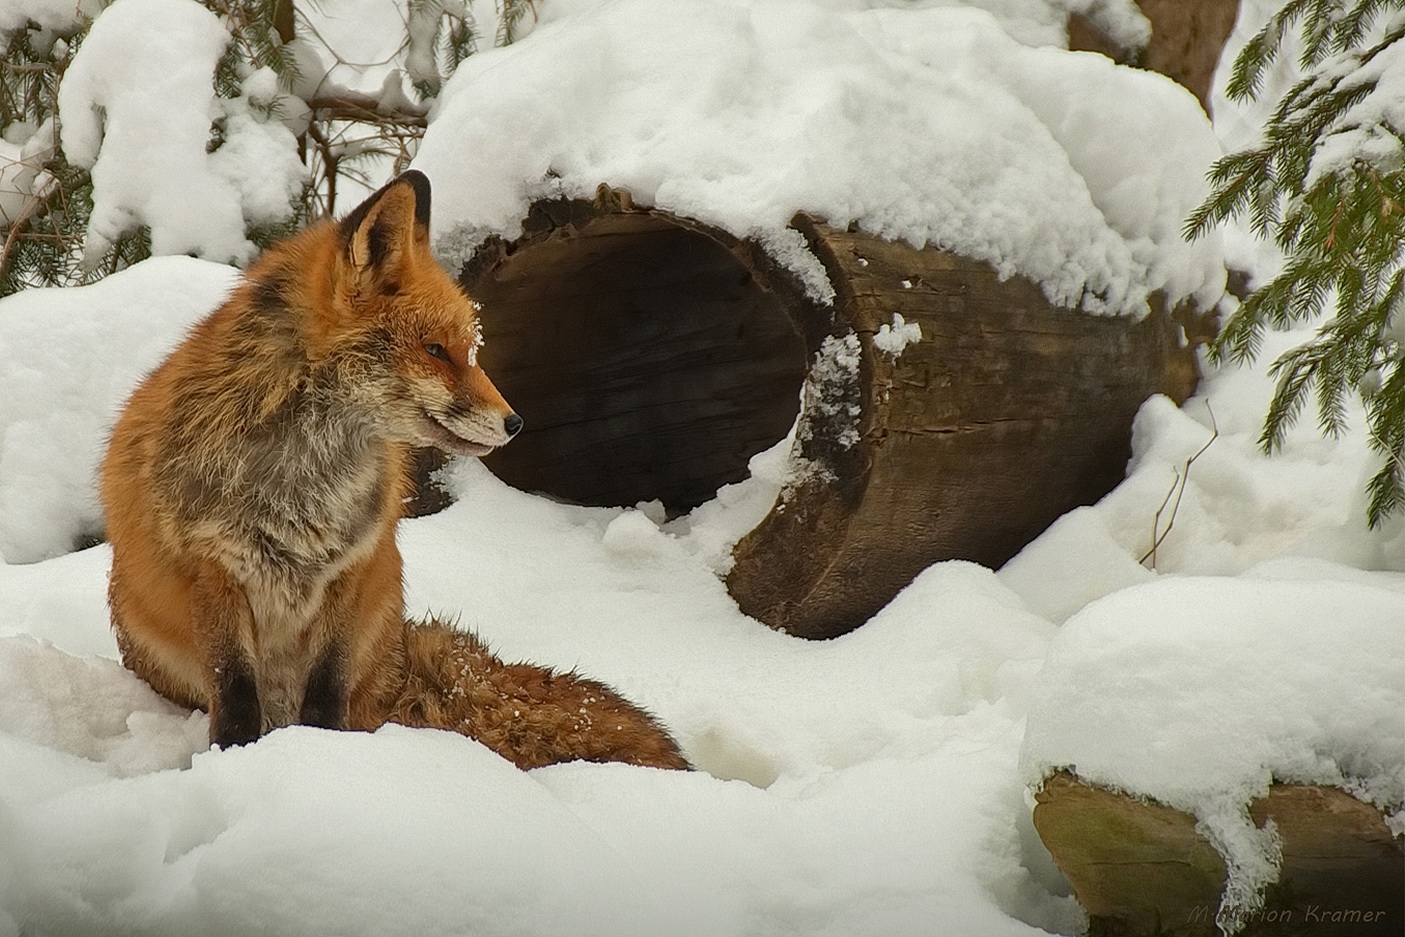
(253, 484)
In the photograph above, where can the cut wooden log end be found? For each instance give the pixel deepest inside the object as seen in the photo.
(651, 356)
(1140, 869)
(965, 444)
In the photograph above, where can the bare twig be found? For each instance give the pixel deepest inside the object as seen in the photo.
(1178, 490)
(362, 108)
(31, 208)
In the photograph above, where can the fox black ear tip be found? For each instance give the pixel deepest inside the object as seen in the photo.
(419, 182)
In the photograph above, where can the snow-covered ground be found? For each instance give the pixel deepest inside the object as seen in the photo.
(875, 784)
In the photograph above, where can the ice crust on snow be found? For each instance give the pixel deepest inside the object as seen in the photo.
(928, 124)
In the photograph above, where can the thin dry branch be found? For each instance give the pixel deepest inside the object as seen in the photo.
(31, 208)
(363, 108)
(1178, 490)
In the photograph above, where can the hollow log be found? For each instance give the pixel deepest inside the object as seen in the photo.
(651, 356)
(1140, 869)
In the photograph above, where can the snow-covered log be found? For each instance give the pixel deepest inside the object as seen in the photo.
(946, 413)
(1142, 869)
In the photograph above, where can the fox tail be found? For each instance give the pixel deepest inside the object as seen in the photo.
(530, 715)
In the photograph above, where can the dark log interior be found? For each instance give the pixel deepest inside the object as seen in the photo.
(649, 357)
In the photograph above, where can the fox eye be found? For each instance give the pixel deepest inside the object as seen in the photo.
(435, 350)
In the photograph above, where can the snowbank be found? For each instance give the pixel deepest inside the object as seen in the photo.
(1231, 509)
(866, 785)
(1264, 645)
(927, 124)
(68, 360)
(872, 780)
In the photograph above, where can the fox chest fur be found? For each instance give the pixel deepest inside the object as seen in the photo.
(293, 496)
(291, 487)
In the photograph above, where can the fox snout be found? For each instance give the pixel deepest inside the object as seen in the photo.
(473, 421)
(468, 431)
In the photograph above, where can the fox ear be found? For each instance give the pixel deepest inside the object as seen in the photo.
(380, 230)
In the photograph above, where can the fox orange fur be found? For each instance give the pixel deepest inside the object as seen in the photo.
(253, 484)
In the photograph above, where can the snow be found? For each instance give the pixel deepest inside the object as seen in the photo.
(53, 16)
(850, 786)
(22, 176)
(70, 358)
(924, 123)
(874, 784)
(1203, 690)
(892, 338)
(870, 784)
(831, 391)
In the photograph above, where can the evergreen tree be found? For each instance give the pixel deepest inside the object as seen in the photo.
(1327, 184)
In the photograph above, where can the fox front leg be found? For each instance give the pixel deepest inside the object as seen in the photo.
(235, 716)
(325, 701)
(224, 625)
(326, 697)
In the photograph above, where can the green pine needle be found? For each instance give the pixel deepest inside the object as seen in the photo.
(1343, 236)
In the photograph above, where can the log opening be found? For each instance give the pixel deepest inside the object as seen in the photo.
(650, 356)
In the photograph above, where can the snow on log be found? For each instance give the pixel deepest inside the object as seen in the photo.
(1142, 869)
(946, 413)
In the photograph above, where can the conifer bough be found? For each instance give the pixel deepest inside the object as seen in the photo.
(1327, 184)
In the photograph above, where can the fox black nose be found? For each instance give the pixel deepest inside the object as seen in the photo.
(512, 423)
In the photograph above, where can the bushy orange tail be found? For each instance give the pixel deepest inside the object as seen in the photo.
(528, 714)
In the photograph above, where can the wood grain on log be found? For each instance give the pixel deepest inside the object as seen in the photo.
(1140, 869)
(1008, 413)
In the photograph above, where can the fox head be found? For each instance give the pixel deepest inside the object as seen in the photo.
(422, 372)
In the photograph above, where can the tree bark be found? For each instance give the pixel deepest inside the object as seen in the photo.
(1187, 39)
